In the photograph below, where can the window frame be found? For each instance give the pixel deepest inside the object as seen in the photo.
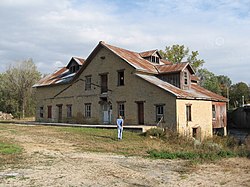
(185, 77)
(41, 112)
(49, 107)
(158, 116)
(87, 110)
(188, 112)
(213, 112)
(121, 108)
(69, 110)
(88, 82)
(121, 78)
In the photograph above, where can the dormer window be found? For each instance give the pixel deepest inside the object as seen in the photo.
(74, 69)
(155, 59)
(185, 78)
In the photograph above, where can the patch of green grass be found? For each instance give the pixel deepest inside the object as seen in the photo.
(6, 148)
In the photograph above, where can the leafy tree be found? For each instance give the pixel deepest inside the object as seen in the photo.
(209, 81)
(16, 87)
(236, 92)
(178, 53)
(224, 84)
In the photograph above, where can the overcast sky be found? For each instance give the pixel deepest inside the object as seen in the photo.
(52, 31)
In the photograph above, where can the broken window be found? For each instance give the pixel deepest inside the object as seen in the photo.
(88, 82)
(121, 78)
(159, 113)
(188, 113)
(69, 111)
(88, 110)
(49, 111)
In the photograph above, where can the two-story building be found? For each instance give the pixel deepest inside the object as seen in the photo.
(141, 87)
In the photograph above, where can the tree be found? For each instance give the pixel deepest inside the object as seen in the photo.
(209, 81)
(178, 53)
(236, 92)
(16, 87)
(224, 84)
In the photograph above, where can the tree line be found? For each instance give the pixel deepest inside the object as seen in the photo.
(16, 94)
(237, 93)
(18, 98)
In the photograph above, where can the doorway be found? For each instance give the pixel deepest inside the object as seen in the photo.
(140, 109)
(59, 113)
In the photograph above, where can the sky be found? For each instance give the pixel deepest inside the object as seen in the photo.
(51, 32)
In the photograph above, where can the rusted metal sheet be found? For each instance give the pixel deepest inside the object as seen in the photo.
(133, 58)
(171, 68)
(60, 76)
(219, 114)
(137, 61)
(148, 53)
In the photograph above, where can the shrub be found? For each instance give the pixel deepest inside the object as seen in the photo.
(156, 132)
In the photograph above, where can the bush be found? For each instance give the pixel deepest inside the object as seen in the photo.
(156, 132)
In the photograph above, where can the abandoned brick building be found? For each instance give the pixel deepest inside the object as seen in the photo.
(141, 87)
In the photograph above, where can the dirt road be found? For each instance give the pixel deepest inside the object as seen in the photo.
(50, 161)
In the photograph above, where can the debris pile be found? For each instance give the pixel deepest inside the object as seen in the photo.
(5, 116)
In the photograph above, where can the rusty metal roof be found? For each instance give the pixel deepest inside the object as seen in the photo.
(133, 58)
(61, 76)
(147, 53)
(141, 66)
(166, 62)
(171, 68)
(196, 92)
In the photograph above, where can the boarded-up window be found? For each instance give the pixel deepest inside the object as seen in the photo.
(49, 111)
(69, 111)
(88, 110)
(188, 113)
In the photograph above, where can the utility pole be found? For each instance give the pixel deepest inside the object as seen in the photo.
(243, 103)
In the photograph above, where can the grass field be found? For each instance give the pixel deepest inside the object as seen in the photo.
(154, 144)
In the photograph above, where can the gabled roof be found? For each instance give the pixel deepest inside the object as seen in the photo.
(79, 61)
(149, 53)
(172, 68)
(132, 58)
(61, 76)
(144, 69)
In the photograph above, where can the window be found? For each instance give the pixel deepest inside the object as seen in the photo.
(88, 110)
(74, 68)
(153, 58)
(121, 109)
(157, 60)
(41, 112)
(159, 113)
(188, 113)
(121, 78)
(104, 83)
(88, 82)
(49, 111)
(185, 78)
(213, 112)
(69, 111)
